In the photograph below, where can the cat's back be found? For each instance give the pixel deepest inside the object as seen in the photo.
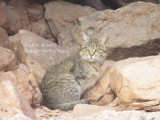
(55, 72)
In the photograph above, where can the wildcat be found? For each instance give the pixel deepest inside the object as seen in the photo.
(63, 84)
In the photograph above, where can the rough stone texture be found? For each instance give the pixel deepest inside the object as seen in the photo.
(35, 12)
(10, 19)
(12, 114)
(60, 14)
(4, 21)
(37, 53)
(26, 23)
(11, 97)
(138, 78)
(101, 94)
(14, 20)
(126, 27)
(92, 112)
(3, 37)
(41, 28)
(7, 59)
(27, 84)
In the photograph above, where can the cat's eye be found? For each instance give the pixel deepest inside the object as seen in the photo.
(98, 49)
(86, 48)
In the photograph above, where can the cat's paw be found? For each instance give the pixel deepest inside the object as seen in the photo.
(84, 101)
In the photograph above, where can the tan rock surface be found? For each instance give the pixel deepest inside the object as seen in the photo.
(136, 80)
(41, 28)
(3, 37)
(135, 19)
(12, 114)
(11, 97)
(10, 19)
(14, 20)
(37, 53)
(133, 25)
(35, 12)
(27, 84)
(4, 21)
(92, 112)
(26, 23)
(60, 14)
(7, 59)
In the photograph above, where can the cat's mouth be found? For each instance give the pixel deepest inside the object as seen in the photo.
(92, 59)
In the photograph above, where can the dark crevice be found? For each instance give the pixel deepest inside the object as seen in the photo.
(147, 49)
(111, 3)
(28, 16)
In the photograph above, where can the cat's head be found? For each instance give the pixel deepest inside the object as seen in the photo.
(93, 50)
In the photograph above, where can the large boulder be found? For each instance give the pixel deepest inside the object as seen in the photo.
(60, 14)
(37, 53)
(133, 25)
(11, 98)
(93, 112)
(137, 81)
(7, 59)
(10, 19)
(4, 21)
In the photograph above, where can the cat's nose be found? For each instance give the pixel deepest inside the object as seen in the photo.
(91, 55)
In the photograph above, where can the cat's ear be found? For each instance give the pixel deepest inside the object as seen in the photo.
(105, 39)
(85, 37)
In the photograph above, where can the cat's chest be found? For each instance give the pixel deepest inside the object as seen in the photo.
(87, 75)
(86, 71)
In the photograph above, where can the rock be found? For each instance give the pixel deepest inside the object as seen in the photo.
(7, 59)
(27, 84)
(3, 37)
(60, 14)
(4, 21)
(138, 78)
(37, 53)
(11, 97)
(14, 20)
(115, 25)
(103, 113)
(41, 28)
(135, 19)
(101, 94)
(97, 4)
(12, 114)
(92, 112)
(11, 21)
(26, 23)
(35, 12)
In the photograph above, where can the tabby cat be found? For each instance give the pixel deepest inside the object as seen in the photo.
(64, 83)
